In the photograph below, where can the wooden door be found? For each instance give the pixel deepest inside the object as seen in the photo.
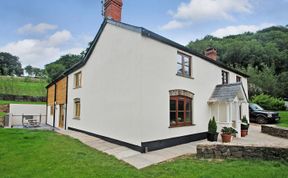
(61, 116)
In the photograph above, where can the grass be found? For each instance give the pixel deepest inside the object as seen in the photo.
(19, 102)
(22, 86)
(2, 114)
(284, 118)
(25, 153)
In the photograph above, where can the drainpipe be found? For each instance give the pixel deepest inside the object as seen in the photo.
(54, 106)
(66, 102)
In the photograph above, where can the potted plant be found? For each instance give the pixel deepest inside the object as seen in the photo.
(212, 134)
(227, 133)
(244, 126)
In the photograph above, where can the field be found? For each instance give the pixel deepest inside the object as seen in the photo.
(19, 102)
(22, 86)
(25, 153)
(284, 119)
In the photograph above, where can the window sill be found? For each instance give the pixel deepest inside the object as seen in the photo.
(76, 118)
(179, 75)
(179, 126)
(77, 88)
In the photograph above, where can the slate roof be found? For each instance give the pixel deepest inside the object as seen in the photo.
(146, 33)
(227, 92)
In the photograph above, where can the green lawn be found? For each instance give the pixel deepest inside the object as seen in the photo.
(284, 119)
(19, 102)
(2, 114)
(22, 86)
(30, 154)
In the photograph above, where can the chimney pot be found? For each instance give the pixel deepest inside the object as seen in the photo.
(211, 53)
(113, 9)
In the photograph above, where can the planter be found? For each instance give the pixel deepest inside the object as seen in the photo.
(226, 138)
(244, 133)
(212, 137)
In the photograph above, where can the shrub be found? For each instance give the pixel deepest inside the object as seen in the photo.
(244, 124)
(212, 126)
(229, 130)
(269, 102)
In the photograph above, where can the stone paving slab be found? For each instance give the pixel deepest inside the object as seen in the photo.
(139, 160)
(132, 157)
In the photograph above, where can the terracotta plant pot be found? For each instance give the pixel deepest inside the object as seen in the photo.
(244, 133)
(226, 138)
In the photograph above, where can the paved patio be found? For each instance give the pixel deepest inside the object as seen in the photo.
(140, 160)
(134, 158)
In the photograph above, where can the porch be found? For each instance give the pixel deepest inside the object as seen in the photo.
(228, 104)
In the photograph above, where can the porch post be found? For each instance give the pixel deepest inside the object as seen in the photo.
(227, 113)
(238, 120)
(218, 115)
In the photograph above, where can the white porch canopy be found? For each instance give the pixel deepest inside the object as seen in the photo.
(226, 105)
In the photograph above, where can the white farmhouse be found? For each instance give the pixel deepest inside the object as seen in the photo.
(144, 91)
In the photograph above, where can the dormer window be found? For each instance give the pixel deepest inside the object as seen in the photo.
(225, 77)
(77, 80)
(238, 79)
(184, 65)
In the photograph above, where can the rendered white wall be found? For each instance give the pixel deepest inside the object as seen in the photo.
(125, 89)
(110, 95)
(17, 110)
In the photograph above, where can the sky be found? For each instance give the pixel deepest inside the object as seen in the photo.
(40, 31)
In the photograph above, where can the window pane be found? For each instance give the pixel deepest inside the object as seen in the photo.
(172, 118)
(180, 117)
(188, 117)
(187, 71)
(179, 69)
(188, 105)
(179, 59)
(186, 60)
(181, 104)
(172, 105)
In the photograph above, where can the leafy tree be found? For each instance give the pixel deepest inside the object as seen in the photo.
(63, 63)
(54, 70)
(29, 70)
(262, 55)
(10, 65)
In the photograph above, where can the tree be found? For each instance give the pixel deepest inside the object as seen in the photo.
(63, 63)
(29, 70)
(10, 65)
(54, 70)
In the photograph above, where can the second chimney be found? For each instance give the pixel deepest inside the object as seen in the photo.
(211, 53)
(113, 9)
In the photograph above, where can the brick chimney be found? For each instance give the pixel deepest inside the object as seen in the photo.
(113, 9)
(211, 53)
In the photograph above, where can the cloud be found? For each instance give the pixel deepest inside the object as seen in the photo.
(40, 52)
(174, 24)
(234, 30)
(59, 37)
(39, 28)
(199, 10)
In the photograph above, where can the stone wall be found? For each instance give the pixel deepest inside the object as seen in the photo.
(224, 151)
(23, 98)
(275, 131)
(4, 108)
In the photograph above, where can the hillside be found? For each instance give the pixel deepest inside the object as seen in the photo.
(262, 55)
(268, 46)
(22, 86)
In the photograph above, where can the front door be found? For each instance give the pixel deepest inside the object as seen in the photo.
(61, 116)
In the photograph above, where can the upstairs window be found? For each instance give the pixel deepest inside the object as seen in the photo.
(238, 79)
(77, 80)
(183, 65)
(225, 77)
(77, 108)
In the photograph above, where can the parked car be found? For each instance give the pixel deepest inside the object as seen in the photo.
(261, 116)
